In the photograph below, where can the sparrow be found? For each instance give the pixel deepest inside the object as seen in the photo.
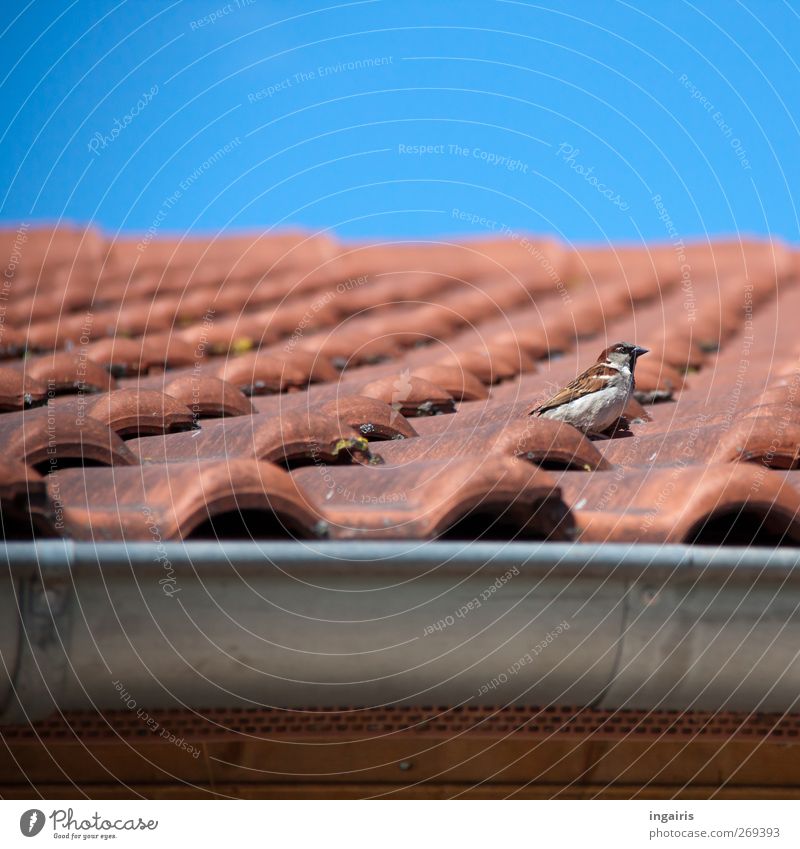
(598, 397)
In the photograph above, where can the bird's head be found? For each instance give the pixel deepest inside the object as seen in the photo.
(622, 354)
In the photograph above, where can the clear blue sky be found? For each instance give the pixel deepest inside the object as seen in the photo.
(562, 118)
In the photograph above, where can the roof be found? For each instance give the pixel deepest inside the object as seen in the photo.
(291, 385)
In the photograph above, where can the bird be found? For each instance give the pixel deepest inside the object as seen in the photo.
(597, 397)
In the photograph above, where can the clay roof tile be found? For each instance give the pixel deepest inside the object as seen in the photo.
(426, 499)
(354, 345)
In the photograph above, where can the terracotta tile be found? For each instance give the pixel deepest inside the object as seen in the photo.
(462, 385)
(534, 343)
(51, 334)
(472, 305)
(349, 383)
(517, 414)
(68, 371)
(730, 403)
(538, 261)
(314, 395)
(310, 435)
(387, 328)
(56, 296)
(372, 418)
(166, 351)
(317, 369)
(735, 504)
(256, 252)
(163, 310)
(208, 397)
(347, 347)
(431, 320)
(50, 438)
(529, 328)
(257, 373)
(505, 499)
(197, 301)
(45, 247)
(542, 441)
(410, 395)
(19, 389)
(687, 442)
(635, 412)
(614, 261)
(213, 335)
(122, 357)
(476, 414)
(130, 321)
(488, 368)
(231, 498)
(294, 317)
(511, 351)
(306, 367)
(129, 412)
(657, 381)
(758, 434)
(352, 339)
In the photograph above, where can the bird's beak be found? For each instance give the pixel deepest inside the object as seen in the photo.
(637, 352)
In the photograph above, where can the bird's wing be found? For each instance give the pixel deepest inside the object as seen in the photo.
(594, 379)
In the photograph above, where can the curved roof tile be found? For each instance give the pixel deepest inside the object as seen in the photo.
(352, 339)
(52, 437)
(19, 389)
(423, 500)
(68, 371)
(130, 412)
(542, 441)
(168, 502)
(679, 504)
(312, 435)
(208, 397)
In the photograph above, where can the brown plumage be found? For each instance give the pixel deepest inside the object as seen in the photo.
(590, 380)
(597, 397)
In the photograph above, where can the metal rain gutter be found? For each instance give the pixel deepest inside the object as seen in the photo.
(290, 624)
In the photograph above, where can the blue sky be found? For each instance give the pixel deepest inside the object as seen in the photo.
(590, 121)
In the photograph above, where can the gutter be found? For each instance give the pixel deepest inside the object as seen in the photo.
(290, 624)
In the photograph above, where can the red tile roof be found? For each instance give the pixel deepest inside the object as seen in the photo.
(315, 388)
